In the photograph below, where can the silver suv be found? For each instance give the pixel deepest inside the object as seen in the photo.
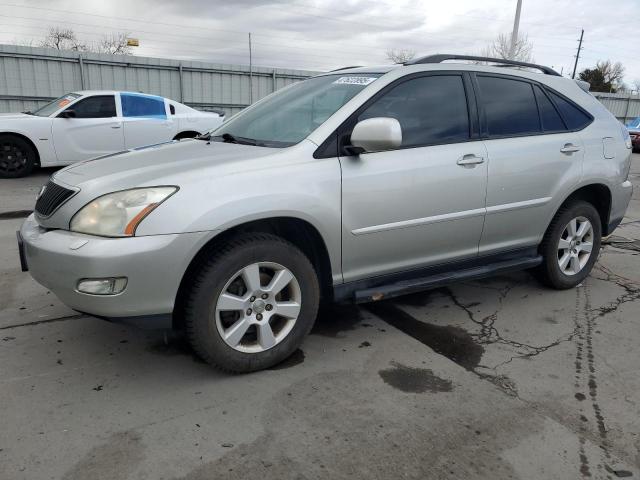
(356, 185)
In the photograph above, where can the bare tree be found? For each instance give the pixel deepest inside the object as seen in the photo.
(62, 39)
(635, 86)
(612, 72)
(115, 44)
(66, 39)
(501, 48)
(401, 55)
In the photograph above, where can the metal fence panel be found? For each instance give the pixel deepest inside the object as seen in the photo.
(624, 106)
(30, 77)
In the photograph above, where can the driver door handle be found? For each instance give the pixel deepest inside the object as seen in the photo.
(470, 160)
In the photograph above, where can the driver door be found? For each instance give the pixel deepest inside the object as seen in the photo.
(94, 131)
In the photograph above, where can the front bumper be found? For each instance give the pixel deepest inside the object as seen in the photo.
(154, 266)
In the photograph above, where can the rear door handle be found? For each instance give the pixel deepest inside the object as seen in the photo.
(470, 160)
(570, 148)
(117, 125)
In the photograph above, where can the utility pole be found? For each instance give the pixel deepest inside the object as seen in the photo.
(514, 32)
(250, 73)
(575, 65)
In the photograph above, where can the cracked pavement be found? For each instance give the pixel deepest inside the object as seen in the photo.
(500, 378)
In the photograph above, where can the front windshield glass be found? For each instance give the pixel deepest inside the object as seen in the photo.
(56, 105)
(290, 115)
(635, 123)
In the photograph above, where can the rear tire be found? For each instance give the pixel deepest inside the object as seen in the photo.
(17, 156)
(251, 304)
(570, 246)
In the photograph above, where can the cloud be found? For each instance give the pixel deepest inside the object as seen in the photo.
(323, 34)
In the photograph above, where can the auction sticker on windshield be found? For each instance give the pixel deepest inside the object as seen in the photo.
(355, 80)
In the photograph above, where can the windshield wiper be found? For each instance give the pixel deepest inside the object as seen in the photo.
(28, 112)
(228, 138)
(204, 136)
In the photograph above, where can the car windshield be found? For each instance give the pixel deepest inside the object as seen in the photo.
(291, 114)
(55, 105)
(635, 123)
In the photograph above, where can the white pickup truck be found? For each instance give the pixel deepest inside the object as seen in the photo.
(87, 124)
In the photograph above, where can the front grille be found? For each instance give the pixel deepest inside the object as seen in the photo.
(53, 196)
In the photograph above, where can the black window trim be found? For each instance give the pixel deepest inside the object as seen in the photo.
(545, 88)
(555, 108)
(87, 97)
(548, 90)
(333, 145)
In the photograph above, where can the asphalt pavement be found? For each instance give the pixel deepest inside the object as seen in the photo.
(493, 379)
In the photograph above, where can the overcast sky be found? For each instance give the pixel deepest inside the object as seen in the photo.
(323, 34)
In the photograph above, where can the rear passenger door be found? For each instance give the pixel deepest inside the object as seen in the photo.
(423, 203)
(533, 157)
(145, 120)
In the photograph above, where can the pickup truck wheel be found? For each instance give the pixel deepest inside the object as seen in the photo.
(251, 304)
(571, 245)
(17, 157)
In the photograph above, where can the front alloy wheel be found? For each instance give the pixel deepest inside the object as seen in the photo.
(251, 303)
(258, 307)
(17, 156)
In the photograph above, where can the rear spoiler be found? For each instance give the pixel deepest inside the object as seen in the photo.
(583, 85)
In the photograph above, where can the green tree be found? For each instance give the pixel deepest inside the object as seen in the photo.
(606, 76)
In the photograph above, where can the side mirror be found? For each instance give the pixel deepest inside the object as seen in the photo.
(68, 113)
(376, 134)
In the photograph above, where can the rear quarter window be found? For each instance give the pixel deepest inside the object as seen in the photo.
(574, 116)
(142, 106)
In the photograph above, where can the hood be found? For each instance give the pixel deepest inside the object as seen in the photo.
(163, 162)
(192, 165)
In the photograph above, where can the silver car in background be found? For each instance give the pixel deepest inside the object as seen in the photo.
(356, 185)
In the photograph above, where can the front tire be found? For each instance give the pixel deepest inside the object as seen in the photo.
(251, 304)
(570, 246)
(17, 156)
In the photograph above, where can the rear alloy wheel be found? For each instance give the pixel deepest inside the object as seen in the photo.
(575, 246)
(251, 303)
(571, 245)
(17, 157)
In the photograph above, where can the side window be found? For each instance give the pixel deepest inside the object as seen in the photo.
(142, 106)
(575, 118)
(98, 106)
(509, 105)
(430, 109)
(172, 109)
(551, 120)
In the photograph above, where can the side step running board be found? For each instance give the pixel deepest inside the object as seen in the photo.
(438, 280)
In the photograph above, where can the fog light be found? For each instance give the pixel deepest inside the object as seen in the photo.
(102, 286)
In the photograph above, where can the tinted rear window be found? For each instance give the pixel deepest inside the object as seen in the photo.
(574, 117)
(430, 110)
(142, 106)
(509, 105)
(551, 120)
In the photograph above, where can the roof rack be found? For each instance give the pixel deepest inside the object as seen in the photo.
(439, 58)
(345, 68)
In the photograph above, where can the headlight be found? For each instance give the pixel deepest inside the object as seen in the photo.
(118, 214)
